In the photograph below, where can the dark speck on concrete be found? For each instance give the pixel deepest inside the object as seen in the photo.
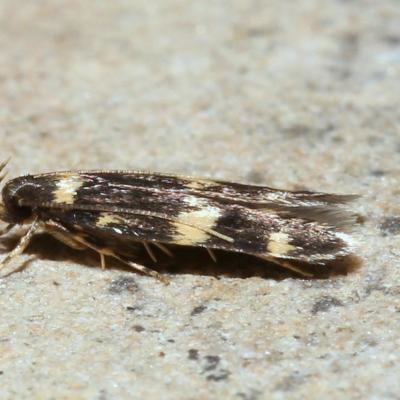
(133, 308)
(252, 394)
(122, 284)
(198, 310)
(220, 375)
(256, 176)
(337, 139)
(378, 172)
(102, 395)
(211, 363)
(325, 303)
(392, 40)
(290, 382)
(193, 354)
(298, 130)
(138, 328)
(390, 225)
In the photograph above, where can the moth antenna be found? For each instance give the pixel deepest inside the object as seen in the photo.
(2, 176)
(3, 212)
(211, 254)
(6, 229)
(4, 163)
(163, 248)
(150, 251)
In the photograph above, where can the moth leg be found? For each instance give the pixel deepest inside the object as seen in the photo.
(142, 269)
(102, 261)
(74, 240)
(163, 248)
(292, 267)
(6, 229)
(105, 251)
(23, 243)
(63, 235)
(70, 239)
(211, 254)
(287, 264)
(150, 251)
(80, 241)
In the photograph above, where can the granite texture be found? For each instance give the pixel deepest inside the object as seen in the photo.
(301, 94)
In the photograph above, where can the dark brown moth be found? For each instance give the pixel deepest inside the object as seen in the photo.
(108, 211)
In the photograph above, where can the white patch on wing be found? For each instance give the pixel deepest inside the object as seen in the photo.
(195, 201)
(106, 219)
(193, 227)
(278, 244)
(67, 188)
(199, 184)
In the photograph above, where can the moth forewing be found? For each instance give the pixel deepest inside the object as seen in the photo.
(103, 209)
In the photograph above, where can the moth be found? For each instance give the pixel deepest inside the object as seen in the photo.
(114, 211)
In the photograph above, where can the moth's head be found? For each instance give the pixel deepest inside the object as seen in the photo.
(11, 211)
(6, 213)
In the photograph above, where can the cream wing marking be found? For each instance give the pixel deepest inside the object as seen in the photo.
(278, 244)
(192, 227)
(67, 188)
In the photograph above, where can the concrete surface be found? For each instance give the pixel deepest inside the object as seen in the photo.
(299, 94)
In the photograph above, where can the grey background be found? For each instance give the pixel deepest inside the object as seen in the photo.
(296, 95)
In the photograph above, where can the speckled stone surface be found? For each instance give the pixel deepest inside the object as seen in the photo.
(299, 94)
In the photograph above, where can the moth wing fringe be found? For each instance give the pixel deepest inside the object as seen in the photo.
(329, 198)
(338, 218)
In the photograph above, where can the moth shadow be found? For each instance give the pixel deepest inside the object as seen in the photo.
(197, 261)
(185, 260)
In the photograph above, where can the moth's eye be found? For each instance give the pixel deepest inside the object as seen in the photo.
(14, 212)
